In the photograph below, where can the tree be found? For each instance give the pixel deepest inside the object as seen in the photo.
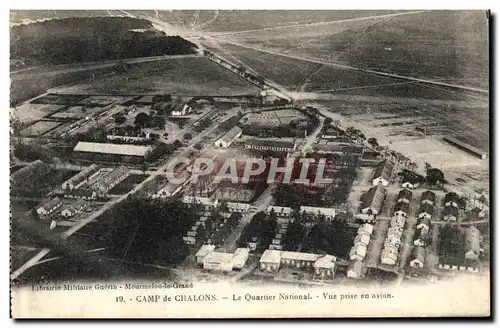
(462, 202)
(327, 121)
(198, 146)
(350, 130)
(142, 119)
(120, 119)
(427, 167)
(187, 136)
(373, 142)
(434, 176)
(234, 219)
(482, 199)
(223, 208)
(144, 167)
(178, 144)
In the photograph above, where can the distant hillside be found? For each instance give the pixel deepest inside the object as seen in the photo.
(72, 40)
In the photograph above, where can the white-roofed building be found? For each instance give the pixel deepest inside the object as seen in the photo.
(107, 182)
(355, 270)
(238, 207)
(121, 150)
(365, 229)
(80, 178)
(206, 202)
(329, 213)
(218, 261)
(324, 267)
(227, 139)
(362, 239)
(240, 258)
(270, 260)
(49, 207)
(389, 256)
(73, 209)
(204, 251)
(167, 190)
(298, 260)
(357, 252)
(281, 211)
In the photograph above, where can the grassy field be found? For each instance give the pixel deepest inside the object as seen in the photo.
(298, 75)
(39, 128)
(448, 45)
(187, 76)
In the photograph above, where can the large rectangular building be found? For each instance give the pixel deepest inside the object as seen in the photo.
(112, 152)
(110, 180)
(80, 178)
(465, 147)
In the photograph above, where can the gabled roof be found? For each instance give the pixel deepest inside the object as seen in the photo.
(420, 234)
(428, 195)
(475, 212)
(384, 170)
(472, 239)
(418, 252)
(326, 261)
(450, 210)
(405, 193)
(365, 228)
(426, 208)
(374, 198)
(327, 211)
(401, 206)
(451, 197)
(424, 220)
(231, 134)
(356, 266)
(358, 249)
(364, 239)
(50, 204)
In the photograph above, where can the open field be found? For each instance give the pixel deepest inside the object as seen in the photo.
(28, 112)
(187, 76)
(435, 45)
(273, 118)
(77, 112)
(39, 128)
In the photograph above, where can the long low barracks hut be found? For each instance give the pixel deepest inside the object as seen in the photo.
(112, 152)
(465, 147)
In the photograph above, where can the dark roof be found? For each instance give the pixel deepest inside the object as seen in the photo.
(428, 195)
(418, 252)
(420, 234)
(450, 210)
(82, 192)
(474, 213)
(451, 197)
(401, 206)
(373, 198)
(426, 208)
(405, 193)
(50, 204)
(424, 220)
(384, 170)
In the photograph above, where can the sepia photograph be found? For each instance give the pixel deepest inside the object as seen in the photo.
(249, 163)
